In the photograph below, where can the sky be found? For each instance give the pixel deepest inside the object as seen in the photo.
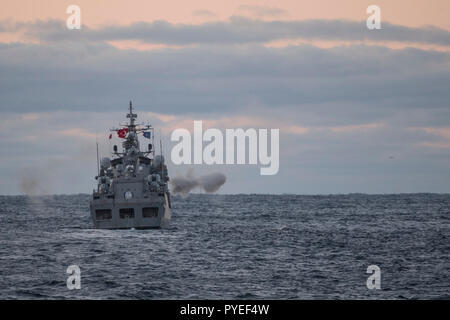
(359, 111)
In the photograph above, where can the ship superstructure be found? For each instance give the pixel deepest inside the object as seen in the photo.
(132, 187)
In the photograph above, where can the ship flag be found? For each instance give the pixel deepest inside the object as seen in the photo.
(122, 133)
(147, 134)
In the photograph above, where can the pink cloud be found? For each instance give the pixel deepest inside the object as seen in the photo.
(356, 128)
(443, 132)
(78, 133)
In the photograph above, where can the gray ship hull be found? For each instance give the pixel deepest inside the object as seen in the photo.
(143, 213)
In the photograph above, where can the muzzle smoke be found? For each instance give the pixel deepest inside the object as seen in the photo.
(184, 184)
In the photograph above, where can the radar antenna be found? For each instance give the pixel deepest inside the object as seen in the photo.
(131, 115)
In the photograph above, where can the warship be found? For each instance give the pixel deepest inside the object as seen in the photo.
(132, 186)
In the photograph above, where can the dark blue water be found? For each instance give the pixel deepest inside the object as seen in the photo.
(231, 246)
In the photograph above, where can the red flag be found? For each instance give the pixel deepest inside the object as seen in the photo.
(122, 133)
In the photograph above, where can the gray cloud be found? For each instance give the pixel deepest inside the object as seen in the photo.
(344, 85)
(204, 13)
(320, 161)
(82, 84)
(236, 30)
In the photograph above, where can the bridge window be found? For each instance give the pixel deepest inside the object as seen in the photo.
(103, 214)
(126, 213)
(150, 212)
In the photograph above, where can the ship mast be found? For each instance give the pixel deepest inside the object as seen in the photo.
(133, 130)
(132, 117)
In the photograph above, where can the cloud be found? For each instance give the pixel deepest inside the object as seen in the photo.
(78, 133)
(343, 111)
(438, 137)
(203, 13)
(358, 127)
(313, 86)
(321, 158)
(261, 11)
(236, 30)
(439, 131)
